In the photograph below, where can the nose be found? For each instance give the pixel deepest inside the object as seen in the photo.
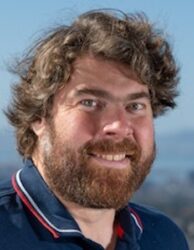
(117, 125)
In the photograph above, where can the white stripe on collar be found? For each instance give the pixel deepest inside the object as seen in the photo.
(137, 222)
(35, 206)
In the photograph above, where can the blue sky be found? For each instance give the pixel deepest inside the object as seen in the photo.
(22, 22)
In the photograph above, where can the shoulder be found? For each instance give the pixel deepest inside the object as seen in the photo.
(10, 204)
(6, 192)
(152, 217)
(11, 216)
(159, 231)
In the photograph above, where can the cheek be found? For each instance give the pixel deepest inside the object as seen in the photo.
(76, 127)
(145, 134)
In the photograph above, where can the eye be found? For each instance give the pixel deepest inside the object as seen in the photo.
(92, 104)
(89, 103)
(135, 107)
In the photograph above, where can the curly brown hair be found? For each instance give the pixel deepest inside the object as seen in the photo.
(125, 38)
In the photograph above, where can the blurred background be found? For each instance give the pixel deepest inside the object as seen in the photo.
(170, 186)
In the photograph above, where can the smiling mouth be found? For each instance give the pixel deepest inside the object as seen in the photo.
(117, 161)
(112, 157)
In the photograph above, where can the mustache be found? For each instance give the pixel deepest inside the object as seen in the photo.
(108, 146)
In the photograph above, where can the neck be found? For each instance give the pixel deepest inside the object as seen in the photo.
(95, 224)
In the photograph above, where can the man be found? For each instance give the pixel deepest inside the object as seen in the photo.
(83, 112)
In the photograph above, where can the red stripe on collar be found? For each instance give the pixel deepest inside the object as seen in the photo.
(120, 232)
(139, 222)
(31, 209)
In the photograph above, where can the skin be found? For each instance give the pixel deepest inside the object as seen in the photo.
(102, 100)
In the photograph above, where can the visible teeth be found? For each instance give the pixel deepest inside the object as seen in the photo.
(119, 157)
(112, 157)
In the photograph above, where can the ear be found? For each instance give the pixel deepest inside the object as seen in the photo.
(39, 127)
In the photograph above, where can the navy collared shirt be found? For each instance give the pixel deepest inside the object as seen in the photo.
(31, 217)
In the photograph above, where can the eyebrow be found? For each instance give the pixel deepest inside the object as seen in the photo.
(95, 92)
(104, 94)
(138, 95)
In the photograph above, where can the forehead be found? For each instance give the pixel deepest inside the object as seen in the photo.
(96, 72)
(90, 66)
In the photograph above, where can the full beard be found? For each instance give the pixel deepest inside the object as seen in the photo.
(74, 177)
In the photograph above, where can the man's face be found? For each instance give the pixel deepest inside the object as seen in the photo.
(98, 145)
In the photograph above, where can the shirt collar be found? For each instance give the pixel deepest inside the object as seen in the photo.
(50, 212)
(130, 227)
